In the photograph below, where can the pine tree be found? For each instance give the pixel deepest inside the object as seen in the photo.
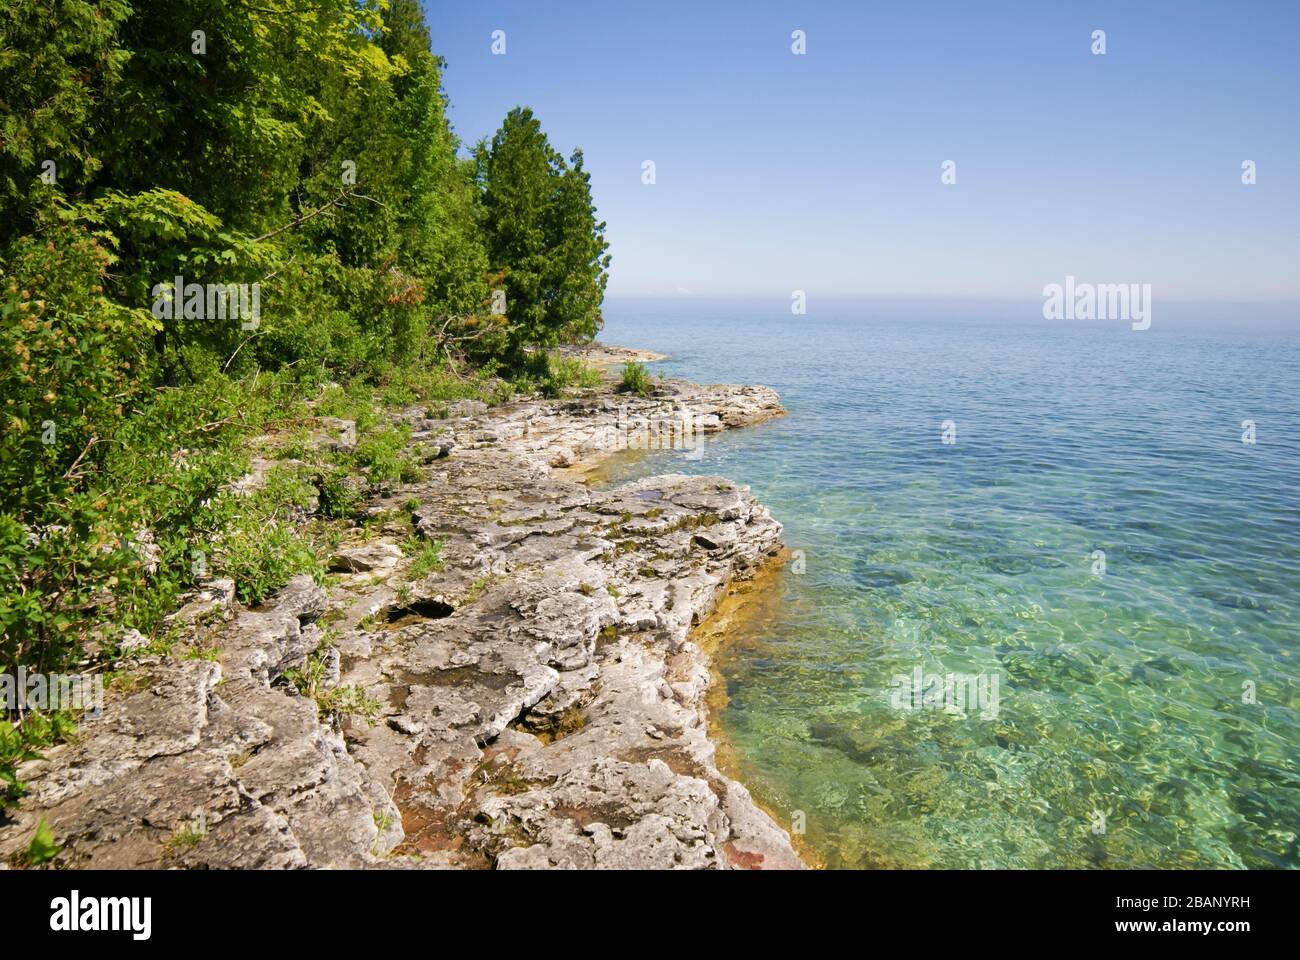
(542, 232)
(577, 258)
(518, 175)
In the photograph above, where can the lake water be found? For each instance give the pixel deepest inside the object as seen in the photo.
(1115, 572)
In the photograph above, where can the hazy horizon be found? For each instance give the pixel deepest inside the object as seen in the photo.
(1219, 315)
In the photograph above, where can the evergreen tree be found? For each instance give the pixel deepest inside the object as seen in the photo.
(543, 234)
(57, 60)
(577, 261)
(518, 173)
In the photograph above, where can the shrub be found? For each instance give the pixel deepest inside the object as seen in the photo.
(71, 364)
(426, 557)
(23, 742)
(339, 497)
(636, 379)
(565, 372)
(262, 557)
(384, 455)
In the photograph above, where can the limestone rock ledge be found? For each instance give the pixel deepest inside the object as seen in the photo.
(543, 702)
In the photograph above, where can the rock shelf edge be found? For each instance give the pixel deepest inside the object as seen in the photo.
(542, 698)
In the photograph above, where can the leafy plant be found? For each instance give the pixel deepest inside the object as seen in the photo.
(14, 749)
(339, 497)
(565, 372)
(426, 556)
(333, 704)
(636, 379)
(262, 557)
(24, 741)
(42, 848)
(383, 454)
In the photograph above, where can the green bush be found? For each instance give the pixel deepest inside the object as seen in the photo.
(262, 557)
(22, 742)
(385, 456)
(636, 379)
(70, 370)
(338, 497)
(565, 372)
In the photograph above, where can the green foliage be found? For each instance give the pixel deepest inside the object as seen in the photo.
(309, 680)
(385, 456)
(15, 748)
(565, 372)
(426, 557)
(577, 256)
(57, 60)
(338, 497)
(122, 424)
(184, 837)
(549, 373)
(636, 378)
(42, 848)
(262, 557)
(24, 741)
(70, 355)
(130, 524)
(334, 704)
(347, 701)
(542, 235)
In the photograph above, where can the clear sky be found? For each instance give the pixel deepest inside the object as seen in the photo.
(821, 172)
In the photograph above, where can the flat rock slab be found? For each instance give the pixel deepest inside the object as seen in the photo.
(543, 701)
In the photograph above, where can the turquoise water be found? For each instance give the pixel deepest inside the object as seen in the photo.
(1122, 732)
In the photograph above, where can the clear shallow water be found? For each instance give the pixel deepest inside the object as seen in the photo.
(1119, 695)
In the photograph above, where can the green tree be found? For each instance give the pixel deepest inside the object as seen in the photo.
(439, 220)
(577, 259)
(543, 235)
(518, 172)
(58, 59)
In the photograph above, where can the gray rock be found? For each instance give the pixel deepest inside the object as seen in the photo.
(542, 696)
(335, 433)
(132, 641)
(377, 555)
(467, 408)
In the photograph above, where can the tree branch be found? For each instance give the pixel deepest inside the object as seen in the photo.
(303, 218)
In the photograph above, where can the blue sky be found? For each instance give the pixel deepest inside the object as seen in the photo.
(821, 172)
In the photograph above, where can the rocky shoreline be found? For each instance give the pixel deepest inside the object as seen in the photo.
(599, 354)
(537, 702)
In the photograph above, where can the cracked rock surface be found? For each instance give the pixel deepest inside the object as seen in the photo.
(542, 698)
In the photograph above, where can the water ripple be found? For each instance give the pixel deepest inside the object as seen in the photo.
(1146, 715)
